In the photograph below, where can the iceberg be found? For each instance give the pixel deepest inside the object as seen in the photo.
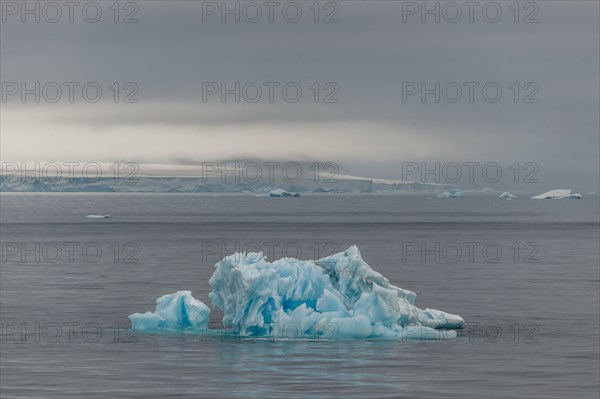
(558, 194)
(97, 216)
(174, 311)
(507, 195)
(279, 192)
(453, 193)
(337, 297)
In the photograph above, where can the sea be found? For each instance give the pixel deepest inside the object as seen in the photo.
(524, 274)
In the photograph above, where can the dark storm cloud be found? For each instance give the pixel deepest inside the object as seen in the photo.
(368, 54)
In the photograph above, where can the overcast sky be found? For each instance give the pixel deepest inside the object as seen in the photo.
(366, 61)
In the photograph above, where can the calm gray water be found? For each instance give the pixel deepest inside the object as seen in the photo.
(524, 274)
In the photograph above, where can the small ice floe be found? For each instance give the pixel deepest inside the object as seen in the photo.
(507, 195)
(282, 193)
(454, 193)
(558, 194)
(97, 216)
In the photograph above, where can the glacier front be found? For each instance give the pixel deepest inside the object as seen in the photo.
(336, 297)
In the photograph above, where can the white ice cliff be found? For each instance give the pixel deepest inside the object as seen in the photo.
(335, 297)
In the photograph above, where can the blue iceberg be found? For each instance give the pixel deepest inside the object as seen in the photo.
(336, 297)
(173, 312)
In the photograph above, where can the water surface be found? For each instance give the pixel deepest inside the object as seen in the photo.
(531, 310)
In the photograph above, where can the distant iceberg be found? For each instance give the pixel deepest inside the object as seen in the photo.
(558, 194)
(279, 192)
(335, 297)
(97, 216)
(507, 195)
(453, 193)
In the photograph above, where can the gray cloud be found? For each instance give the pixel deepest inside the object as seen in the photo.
(368, 55)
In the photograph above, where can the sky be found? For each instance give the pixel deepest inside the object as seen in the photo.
(365, 84)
